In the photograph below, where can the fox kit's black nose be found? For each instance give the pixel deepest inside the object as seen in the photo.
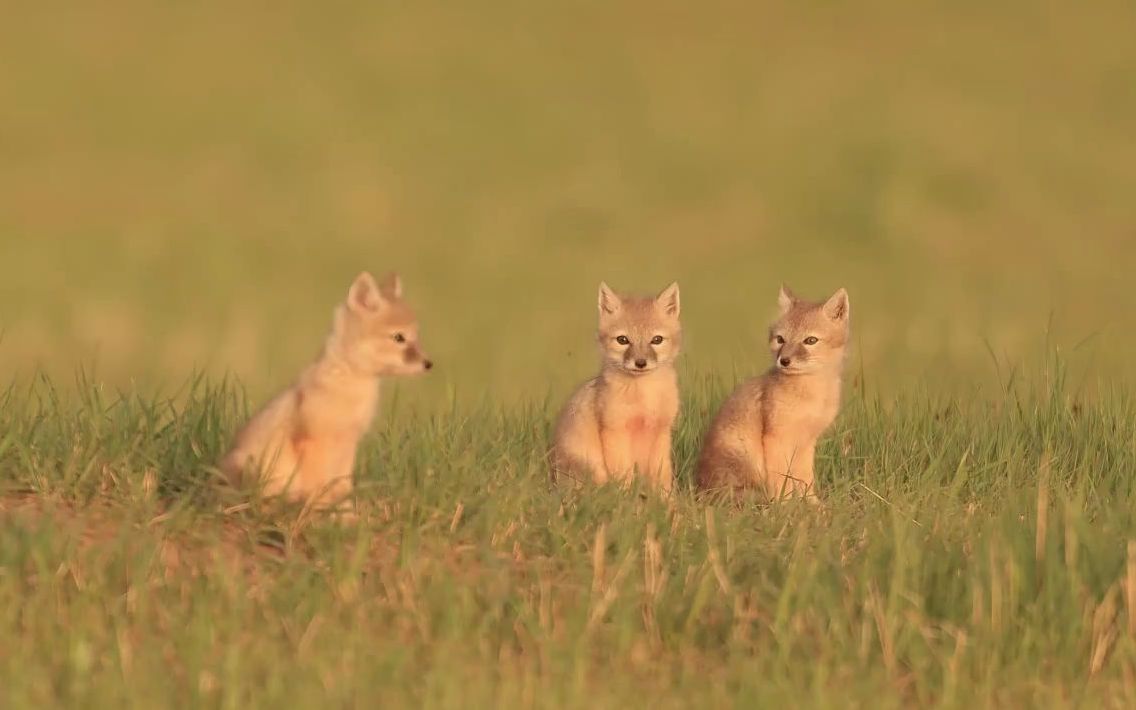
(641, 363)
(426, 365)
(785, 362)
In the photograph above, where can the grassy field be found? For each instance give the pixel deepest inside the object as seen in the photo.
(186, 190)
(968, 553)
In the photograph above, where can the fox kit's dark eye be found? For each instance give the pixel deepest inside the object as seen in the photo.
(811, 340)
(779, 340)
(623, 340)
(399, 338)
(657, 340)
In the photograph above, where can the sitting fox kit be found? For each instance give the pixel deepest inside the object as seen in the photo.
(764, 437)
(302, 444)
(619, 424)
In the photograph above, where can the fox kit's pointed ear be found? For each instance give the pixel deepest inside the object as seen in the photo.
(836, 307)
(364, 295)
(668, 300)
(785, 299)
(609, 302)
(391, 285)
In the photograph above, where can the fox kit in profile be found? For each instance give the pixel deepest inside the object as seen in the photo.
(765, 434)
(619, 423)
(302, 443)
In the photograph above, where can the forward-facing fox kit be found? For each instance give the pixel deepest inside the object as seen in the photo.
(615, 428)
(618, 424)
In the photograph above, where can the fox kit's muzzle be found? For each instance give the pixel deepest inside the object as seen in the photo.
(413, 355)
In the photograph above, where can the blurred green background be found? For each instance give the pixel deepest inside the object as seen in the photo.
(193, 185)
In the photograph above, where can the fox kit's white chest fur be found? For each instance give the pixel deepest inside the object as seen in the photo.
(803, 407)
(640, 410)
(330, 403)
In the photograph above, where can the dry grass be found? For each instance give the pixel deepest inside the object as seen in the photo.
(189, 188)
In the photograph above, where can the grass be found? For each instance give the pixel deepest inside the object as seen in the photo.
(189, 188)
(972, 550)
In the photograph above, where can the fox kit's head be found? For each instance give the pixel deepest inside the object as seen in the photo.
(809, 337)
(376, 333)
(637, 335)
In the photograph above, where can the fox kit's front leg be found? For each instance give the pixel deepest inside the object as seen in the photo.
(340, 484)
(324, 475)
(789, 467)
(661, 465)
(315, 472)
(779, 456)
(804, 474)
(590, 457)
(618, 455)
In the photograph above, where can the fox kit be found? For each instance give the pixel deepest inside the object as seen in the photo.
(765, 434)
(302, 443)
(619, 423)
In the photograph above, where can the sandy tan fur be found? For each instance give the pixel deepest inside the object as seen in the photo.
(302, 443)
(619, 424)
(765, 434)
